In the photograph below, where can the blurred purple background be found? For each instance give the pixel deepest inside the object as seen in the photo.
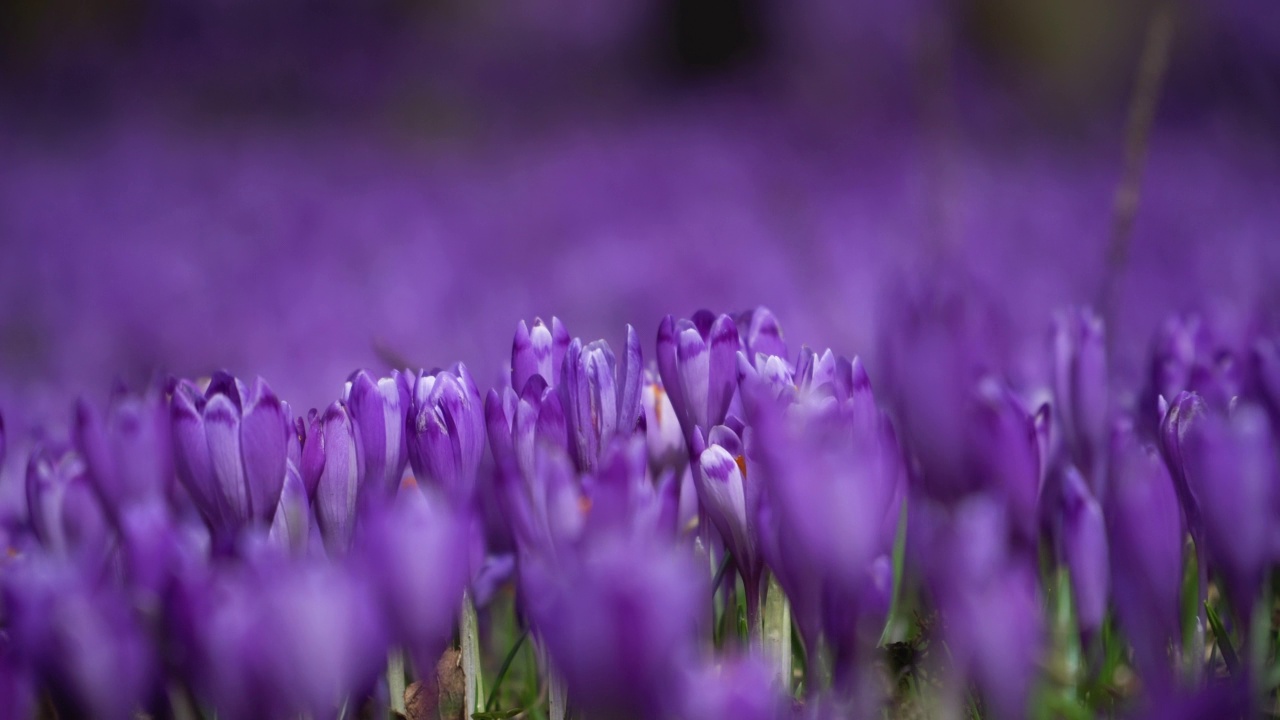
(300, 190)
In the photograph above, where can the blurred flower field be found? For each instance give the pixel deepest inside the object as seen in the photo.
(1035, 476)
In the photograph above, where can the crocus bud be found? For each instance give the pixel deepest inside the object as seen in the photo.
(62, 508)
(338, 486)
(447, 432)
(518, 424)
(623, 497)
(84, 639)
(1084, 549)
(415, 553)
(661, 426)
(1185, 356)
(697, 362)
(378, 413)
(1178, 417)
(732, 501)
(1080, 387)
(1231, 470)
(538, 351)
(129, 452)
(231, 446)
(1144, 531)
(938, 346)
(291, 526)
(761, 333)
(600, 398)
(544, 507)
(620, 623)
(1007, 453)
(834, 483)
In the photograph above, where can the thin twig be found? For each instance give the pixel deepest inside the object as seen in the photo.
(1142, 111)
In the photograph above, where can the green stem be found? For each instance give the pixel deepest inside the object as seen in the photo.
(777, 632)
(502, 671)
(470, 632)
(395, 681)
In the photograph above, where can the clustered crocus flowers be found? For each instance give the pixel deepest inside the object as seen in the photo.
(954, 538)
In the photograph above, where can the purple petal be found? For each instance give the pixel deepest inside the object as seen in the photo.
(764, 334)
(559, 345)
(694, 364)
(702, 321)
(291, 523)
(1231, 469)
(724, 498)
(499, 428)
(471, 423)
(668, 369)
(264, 447)
(630, 378)
(336, 492)
(379, 422)
(91, 441)
(312, 434)
(722, 373)
(1084, 547)
(191, 450)
(662, 427)
(537, 351)
(228, 385)
(222, 431)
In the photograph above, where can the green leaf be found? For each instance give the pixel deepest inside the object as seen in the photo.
(899, 561)
(496, 714)
(1224, 640)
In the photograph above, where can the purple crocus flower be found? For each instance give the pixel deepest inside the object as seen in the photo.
(83, 639)
(378, 407)
(990, 606)
(17, 691)
(600, 397)
(231, 447)
(1231, 471)
(1145, 534)
(730, 496)
(620, 620)
(1080, 389)
(622, 497)
(833, 486)
(129, 452)
(1177, 418)
(937, 346)
(446, 427)
(62, 507)
(661, 426)
(545, 506)
(414, 554)
(518, 423)
(331, 451)
(538, 351)
(697, 362)
(1185, 355)
(4, 440)
(279, 637)
(761, 333)
(1084, 550)
(742, 687)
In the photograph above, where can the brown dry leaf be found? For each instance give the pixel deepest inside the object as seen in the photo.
(443, 696)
